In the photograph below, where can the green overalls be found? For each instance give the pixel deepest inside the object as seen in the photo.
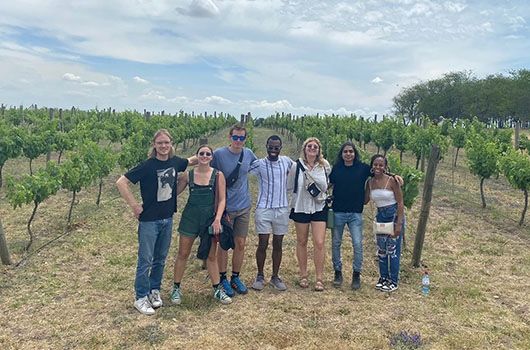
(199, 211)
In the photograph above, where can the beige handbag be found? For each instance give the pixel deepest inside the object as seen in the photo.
(383, 228)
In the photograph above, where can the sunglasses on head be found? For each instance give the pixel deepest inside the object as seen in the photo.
(274, 148)
(312, 146)
(207, 154)
(240, 138)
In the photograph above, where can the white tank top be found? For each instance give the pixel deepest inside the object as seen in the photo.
(382, 197)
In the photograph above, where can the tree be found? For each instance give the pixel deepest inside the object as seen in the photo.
(516, 168)
(482, 156)
(75, 175)
(34, 189)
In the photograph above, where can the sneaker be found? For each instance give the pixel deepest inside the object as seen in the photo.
(220, 294)
(277, 283)
(176, 295)
(337, 281)
(389, 286)
(259, 283)
(227, 288)
(356, 280)
(144, 306)
(238, 285)
(155, 299)
(379, 285)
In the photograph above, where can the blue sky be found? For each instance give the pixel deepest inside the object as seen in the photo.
(238, 56)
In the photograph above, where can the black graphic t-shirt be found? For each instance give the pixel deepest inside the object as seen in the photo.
(158, 185)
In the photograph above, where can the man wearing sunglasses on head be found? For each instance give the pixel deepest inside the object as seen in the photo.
(272, 210)
(234, 161)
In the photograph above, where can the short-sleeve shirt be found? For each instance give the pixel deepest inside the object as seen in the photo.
(348, 187)
(158, 186)
(237, 196)
(272, 177)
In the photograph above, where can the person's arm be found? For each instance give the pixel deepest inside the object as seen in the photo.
(401, 208)
(367, 191)
(221, 202)
(193, 160)
(123, 187)
(182, 181)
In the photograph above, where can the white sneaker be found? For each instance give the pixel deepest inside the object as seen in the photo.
(155, 299)
(144, 306)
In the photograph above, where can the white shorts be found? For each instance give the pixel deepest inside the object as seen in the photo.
(275, 221)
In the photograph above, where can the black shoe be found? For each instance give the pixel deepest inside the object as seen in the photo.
(337, 282)
(356, 280)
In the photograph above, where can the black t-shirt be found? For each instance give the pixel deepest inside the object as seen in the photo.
(158, 186)
(348, 187)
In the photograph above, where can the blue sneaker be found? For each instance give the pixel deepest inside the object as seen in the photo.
(238, 285)
(228, 289)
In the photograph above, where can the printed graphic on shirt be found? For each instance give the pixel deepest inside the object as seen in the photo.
(166, 179)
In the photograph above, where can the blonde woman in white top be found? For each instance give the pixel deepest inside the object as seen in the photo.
(384, 190)
(308, 211)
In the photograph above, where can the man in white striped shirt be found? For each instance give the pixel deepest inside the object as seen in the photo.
(272, 209)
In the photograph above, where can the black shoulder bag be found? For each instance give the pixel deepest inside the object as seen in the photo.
(234, 175)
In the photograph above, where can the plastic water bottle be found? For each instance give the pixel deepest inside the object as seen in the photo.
(425, 284)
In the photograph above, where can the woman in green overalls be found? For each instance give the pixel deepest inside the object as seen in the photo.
(197, 218)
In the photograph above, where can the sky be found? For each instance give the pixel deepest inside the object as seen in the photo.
(239, 56)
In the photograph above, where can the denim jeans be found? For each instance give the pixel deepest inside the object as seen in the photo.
(388, 248)
(355, 226)
(154, 239)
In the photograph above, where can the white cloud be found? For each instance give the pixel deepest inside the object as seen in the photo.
(377, 80)
(200, 8)
(71, 77)
(90, 83)
(140, 80)
(217, 100)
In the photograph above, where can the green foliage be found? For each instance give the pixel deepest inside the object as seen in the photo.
(10, 142)
(516, 168)
(75, 173)
(458, 136)
(33, 188)
(482, 156)
(134, 150)
(411, 180)
(400, 136)
(382, 134)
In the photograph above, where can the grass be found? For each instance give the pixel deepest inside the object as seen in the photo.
(78, 292)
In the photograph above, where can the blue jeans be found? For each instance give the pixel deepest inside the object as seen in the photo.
(388, 248)
(355, 226)
(154, 239)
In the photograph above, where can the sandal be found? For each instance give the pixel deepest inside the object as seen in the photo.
(303, 283)
(319, 286)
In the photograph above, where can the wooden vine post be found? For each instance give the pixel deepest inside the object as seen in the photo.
(4, 251)
(425, 205)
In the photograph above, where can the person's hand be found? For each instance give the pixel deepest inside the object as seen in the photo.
(216, 227)
(400, 180)
(397, 231)
(137, 210)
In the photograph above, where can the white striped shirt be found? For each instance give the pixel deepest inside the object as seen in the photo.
(272, 181)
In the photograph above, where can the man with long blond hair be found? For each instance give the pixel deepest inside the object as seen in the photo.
(158, 182)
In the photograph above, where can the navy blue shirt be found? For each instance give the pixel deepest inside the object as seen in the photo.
(348, 187)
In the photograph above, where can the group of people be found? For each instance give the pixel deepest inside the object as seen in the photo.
(218, 211)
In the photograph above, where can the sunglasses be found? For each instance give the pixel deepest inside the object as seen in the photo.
(347, 151)
(205, 154)
(236, 138)
(274, 148)
(312, 146)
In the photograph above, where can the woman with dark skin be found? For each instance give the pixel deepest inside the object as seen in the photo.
(386, 193)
